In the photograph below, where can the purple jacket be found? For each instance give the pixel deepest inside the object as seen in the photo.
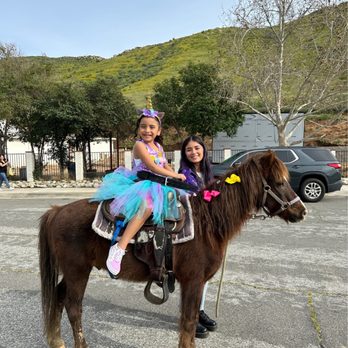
(192, 178)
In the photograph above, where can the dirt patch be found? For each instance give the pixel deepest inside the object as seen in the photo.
(326, 133)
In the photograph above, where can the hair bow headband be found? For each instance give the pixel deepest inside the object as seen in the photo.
(208, 195)
(232, 179)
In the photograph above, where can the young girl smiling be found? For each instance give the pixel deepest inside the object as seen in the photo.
(137, 200)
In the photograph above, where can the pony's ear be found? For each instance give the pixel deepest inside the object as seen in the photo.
(268, 159)
(160, 115)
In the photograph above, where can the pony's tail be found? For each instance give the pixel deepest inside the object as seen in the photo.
(49, 271)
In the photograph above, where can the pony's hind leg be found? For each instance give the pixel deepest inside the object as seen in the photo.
(54, 338)
(75, 290)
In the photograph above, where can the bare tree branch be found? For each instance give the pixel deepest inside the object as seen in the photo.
(289, 56)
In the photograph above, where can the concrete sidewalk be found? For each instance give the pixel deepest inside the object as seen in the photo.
(50, 192)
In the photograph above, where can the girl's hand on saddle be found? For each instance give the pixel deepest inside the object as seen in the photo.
(181, 177)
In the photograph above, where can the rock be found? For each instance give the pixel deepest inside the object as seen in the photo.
(54, 183)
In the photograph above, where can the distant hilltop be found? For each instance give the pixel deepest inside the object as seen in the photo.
(139, 69)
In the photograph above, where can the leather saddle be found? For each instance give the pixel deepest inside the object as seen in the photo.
(153, 246)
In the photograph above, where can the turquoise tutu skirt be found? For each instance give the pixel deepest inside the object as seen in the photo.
(132, 197)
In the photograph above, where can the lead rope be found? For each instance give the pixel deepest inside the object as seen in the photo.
(220, 282)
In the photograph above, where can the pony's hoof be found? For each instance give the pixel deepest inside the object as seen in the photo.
(57, 344)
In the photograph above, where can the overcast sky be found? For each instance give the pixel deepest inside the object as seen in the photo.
(102, 27)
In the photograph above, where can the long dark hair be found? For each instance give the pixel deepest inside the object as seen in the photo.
(205, 166)
(158, 138)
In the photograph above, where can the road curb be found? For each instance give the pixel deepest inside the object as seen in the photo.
(23, 193)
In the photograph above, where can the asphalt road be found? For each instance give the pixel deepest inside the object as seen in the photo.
(284, 286)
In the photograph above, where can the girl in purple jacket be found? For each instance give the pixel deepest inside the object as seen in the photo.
(194, 164)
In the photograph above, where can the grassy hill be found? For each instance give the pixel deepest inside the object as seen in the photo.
(139, 69)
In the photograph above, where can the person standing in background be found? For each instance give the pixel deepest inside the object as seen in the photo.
(3, 172)
(194, 164)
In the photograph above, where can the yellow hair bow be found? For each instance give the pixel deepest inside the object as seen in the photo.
(232, 179)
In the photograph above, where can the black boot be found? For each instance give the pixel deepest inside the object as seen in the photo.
(208, 323)
(201, 331)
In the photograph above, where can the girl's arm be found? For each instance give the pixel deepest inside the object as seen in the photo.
(180, 176)
(140, 152)
(168, 167)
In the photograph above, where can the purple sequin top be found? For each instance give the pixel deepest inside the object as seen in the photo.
(157, 156)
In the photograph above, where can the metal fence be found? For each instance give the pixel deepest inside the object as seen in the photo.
(217, 156)
(341, 154)
(18, 164)
(51, 169)
(100, 162)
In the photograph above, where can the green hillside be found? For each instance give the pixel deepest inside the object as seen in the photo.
(139, 69)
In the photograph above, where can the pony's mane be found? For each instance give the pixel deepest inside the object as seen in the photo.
(225, 215)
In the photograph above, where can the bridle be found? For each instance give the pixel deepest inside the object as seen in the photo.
(267, 190)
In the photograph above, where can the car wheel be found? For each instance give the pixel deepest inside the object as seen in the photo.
(312, 190)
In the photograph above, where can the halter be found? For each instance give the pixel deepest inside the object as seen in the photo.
(267, 190)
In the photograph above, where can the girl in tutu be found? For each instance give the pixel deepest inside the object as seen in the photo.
(137, 200)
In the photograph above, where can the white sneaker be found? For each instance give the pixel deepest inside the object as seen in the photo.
(113, 262)
(11, 188)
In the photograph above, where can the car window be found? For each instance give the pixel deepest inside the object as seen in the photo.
(287, 156)
(230, 160)
(241, 158)
(319, 154)
(246, 156)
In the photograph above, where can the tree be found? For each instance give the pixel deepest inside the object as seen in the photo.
(169, 97)
(9, 73)
(193, 101)
(287, 56)
(114, 114)
(63, 111)
(29, 88)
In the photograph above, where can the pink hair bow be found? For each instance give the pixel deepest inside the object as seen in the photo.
(208, 195)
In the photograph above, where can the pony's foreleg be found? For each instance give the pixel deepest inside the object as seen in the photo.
(191, 294)
(73, 304)
(54, 338)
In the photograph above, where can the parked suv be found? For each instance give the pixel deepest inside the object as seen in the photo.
(313, 171)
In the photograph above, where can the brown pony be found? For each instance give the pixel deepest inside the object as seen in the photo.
(69, 246)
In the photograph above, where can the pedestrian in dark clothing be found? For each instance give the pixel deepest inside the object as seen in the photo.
(3, 172)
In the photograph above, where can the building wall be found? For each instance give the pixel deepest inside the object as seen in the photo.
(21, 147)
(17, 147)
(256, 132)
